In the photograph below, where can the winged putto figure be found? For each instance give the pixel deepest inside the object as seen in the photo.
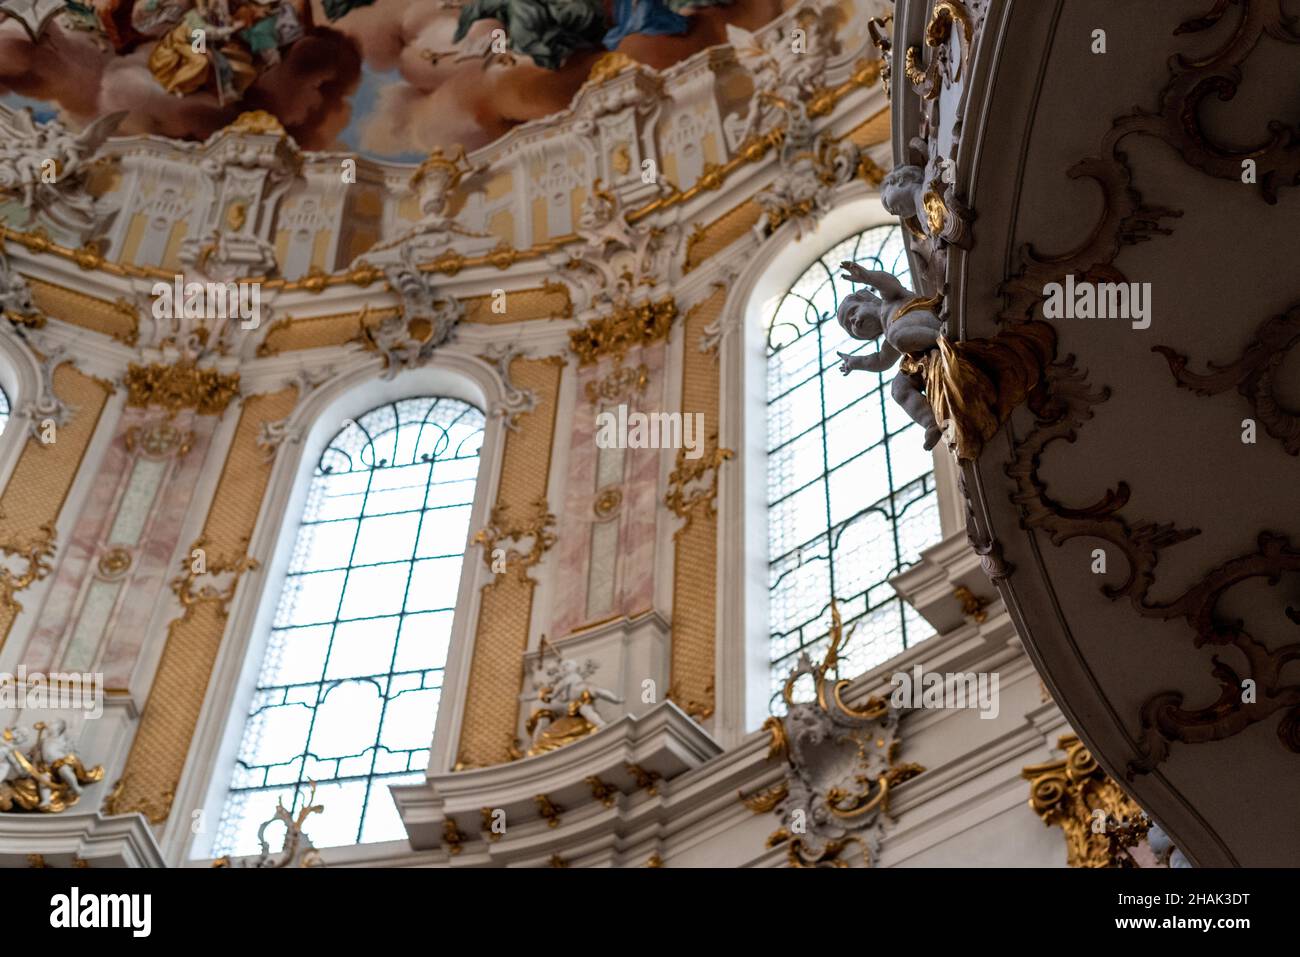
(44, 166)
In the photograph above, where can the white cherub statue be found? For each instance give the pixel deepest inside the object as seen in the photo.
(902, 191)
(911, 329)
(61, 757)
(19, 765)
(572, 686)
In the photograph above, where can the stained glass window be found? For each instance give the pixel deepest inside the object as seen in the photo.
(349, 686)
(850, 488)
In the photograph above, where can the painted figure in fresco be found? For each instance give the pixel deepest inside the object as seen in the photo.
(550, 31)
(216, 45)
(650, 17)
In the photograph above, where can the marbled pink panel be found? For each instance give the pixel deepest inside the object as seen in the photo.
(635, 588)
(634, 575)
(154, 566)
(150, 571)
(573, 532)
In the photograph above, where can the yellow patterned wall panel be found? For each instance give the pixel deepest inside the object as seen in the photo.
(497, 670)
(88, 312)
(695, 561)
(39, 485)
(162, 741)
(721, 233)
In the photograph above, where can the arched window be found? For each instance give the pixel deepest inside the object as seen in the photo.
(349, 686)
(850, 488)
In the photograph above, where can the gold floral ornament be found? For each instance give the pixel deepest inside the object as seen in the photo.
(1073, 793)
(181, 385)
(223, 573)
(693, 483)
(625, 328)
(35, 554)
(536, 529)
(42, 770)
(929, 80)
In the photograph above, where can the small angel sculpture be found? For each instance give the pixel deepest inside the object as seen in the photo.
(911, 329)
(902, 192)
(61, 758)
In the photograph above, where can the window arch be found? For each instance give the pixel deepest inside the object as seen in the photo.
(348, 690)
(850, 489)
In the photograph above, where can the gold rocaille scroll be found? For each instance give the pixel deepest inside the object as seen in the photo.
(153, 768)
(496, 673)
(40, 481)
(695, 572)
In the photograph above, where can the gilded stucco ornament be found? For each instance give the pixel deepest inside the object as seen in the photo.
(623, 329)
(436, 183)
(24, 564)
(1100, 822)
(693, 483)
(841, 767)
(880, 30)
(928, 79)
(180, 385)
(40, 769)
(536, 529)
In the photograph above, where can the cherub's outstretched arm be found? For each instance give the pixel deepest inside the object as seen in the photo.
(874, 362)
(885, 283)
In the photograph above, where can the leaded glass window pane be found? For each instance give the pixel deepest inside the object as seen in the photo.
(850, 488)
(349, 686)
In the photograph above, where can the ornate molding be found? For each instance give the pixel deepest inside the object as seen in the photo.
(515, 400)
(1218, 74)
(1253, 374)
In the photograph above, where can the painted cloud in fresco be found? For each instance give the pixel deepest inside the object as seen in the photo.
(387, 79)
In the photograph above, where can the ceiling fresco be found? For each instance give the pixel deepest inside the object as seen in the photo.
(388, 79)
